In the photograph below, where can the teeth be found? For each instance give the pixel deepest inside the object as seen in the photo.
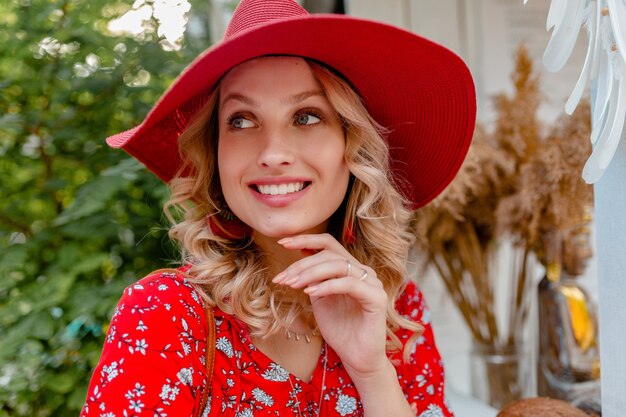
(281, 189)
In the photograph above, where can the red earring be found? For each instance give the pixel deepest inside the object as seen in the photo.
(349, 236)
(226, 225)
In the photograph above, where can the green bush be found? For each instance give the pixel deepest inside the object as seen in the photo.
(78, 221)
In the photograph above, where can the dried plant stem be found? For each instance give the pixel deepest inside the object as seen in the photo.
(452, 280)
(476, 260)
(517, 314)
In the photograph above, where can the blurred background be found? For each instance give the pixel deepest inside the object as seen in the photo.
(79, 221)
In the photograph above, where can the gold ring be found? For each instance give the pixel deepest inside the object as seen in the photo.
(362, 277)
(349, 268)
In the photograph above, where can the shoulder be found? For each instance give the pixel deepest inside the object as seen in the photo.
(154, 352)
(162, 300)
(166, 288)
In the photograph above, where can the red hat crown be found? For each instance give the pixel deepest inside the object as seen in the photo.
(252, 13)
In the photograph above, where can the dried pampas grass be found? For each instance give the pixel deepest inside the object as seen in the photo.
(517, 183)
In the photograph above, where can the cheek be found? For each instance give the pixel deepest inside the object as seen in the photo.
(229, 156)
(228, 166)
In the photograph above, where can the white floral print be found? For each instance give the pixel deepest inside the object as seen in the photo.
(153, 364)
(275, 373)
(245, 413)
(224, 345)
(169, 392)
(111, 371)
(432, 411)
(141, 346)
(136, 406)
(262, 397)
(345, 404)
(184, 376)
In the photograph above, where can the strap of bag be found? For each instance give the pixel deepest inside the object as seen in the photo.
(210, 359)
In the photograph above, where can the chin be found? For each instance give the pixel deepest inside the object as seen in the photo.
(281, 231)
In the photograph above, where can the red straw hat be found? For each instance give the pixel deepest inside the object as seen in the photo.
(419, 90)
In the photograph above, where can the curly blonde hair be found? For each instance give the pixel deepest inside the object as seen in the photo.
(232, 273)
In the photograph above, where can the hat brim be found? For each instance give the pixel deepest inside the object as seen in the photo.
(422, 92)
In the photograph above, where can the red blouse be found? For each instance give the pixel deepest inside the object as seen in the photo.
(153, 363)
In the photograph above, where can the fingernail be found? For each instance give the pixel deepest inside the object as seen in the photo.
(279, 277)
(311, 290)
(284, 240)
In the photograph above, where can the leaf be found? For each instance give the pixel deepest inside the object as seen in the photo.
(61, 383)
(91, 198)
(11, 121)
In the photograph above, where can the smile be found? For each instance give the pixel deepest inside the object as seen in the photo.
(281, 189)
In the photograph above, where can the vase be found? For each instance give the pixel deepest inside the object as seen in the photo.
(500, 374)
(568, 366)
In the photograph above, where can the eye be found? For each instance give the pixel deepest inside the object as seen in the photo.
(307, 117)
(239, 122)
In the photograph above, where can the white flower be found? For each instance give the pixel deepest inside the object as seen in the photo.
(167, 306)
(141, 346)
(111, 335)
(276, 373)
(224, 345)
(168, 392)
(245, 413)
(230, 382)
(262, 397)
(207, 408)
(184, 375)
(162, 287)
(186, 348)
(139, 390)
(141, 327)
(345, 404)
(195, 297)
(110, 371)
(432, 411)
(136, 406)
(109, 414)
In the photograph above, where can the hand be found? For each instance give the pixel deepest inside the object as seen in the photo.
(348, 300)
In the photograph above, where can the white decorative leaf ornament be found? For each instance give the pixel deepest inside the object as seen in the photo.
(604, 68)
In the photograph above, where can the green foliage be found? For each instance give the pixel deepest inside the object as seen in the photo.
(78, 221)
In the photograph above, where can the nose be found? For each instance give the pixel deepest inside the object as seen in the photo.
(276, 150)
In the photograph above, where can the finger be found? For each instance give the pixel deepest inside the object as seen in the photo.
(296, 268)
(371, 298)
(316, 242)
(321, 271)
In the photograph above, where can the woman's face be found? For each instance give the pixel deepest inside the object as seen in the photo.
(281, 148)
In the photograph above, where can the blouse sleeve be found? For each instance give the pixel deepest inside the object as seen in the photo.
(152, 363)
(422, 377)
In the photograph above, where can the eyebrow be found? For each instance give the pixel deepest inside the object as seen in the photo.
(241, 98)
(297, 98)
(292, 99)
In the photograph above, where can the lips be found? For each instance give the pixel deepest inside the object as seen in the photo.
(279, 192)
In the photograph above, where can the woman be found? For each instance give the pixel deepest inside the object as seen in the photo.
(293, 233)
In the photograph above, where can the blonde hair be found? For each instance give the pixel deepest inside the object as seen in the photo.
(231, 273)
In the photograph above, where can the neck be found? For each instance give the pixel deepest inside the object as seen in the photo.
(278, 258)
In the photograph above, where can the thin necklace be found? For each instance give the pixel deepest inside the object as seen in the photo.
(293, 388)
(297, 335)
